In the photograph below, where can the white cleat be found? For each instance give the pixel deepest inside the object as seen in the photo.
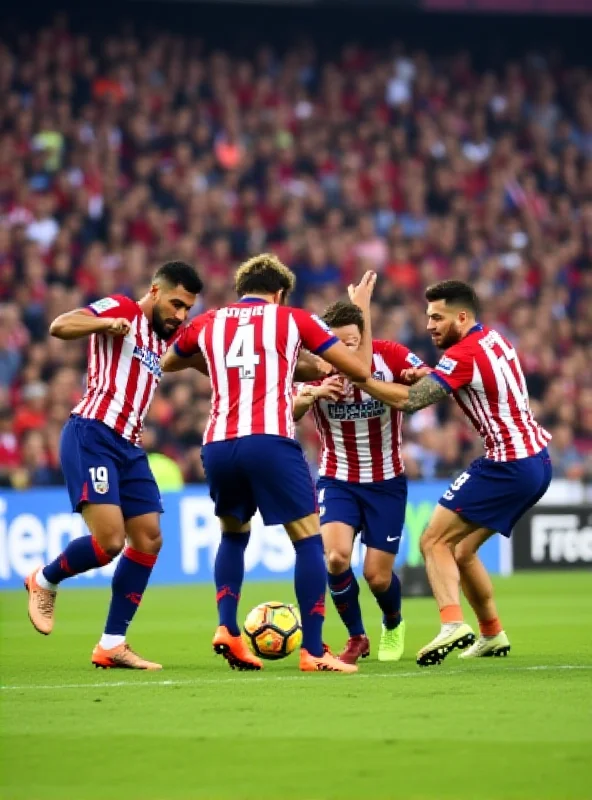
(454, 635)
(487, 646)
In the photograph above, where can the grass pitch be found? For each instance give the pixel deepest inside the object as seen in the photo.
(519, 727)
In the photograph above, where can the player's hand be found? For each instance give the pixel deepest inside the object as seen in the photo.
(361, 294)
(118, 326)
(330, 389)
(414, 374)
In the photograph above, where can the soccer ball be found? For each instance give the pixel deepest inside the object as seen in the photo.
(273, 630)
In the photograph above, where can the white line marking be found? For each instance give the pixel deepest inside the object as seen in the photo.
(258, 678)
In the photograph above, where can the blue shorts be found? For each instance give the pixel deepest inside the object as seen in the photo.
(262, 471)
(100, 466)
(495, 494)
(375, 509)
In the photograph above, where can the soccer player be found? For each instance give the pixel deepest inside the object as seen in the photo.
(107, 473)
(251, 458)
(482, 371)
(362, 485)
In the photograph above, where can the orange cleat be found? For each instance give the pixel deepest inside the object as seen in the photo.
(235, 650)
(121, 657)
(325, 663)
(41, 604)
(356, 647)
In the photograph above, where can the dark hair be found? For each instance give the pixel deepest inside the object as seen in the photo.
(342, 313)
(454, 293)
(264, 274)
(178, 273)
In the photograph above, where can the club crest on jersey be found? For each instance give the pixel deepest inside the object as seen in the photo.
(414, 360)
(446, 365)
(149, 359)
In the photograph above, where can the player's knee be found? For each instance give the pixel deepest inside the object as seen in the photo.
(148, 540)
(464, 556)
(378, 580)
(112, 545)
(337, 561)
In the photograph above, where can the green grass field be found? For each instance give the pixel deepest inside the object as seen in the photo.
(519, 727)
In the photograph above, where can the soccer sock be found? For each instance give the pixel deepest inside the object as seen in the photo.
(345, 592)
(129, 583)
(79, 556)
(451, 615)
(310, 583)
(390, 603)
(229, 572)
(490, 627)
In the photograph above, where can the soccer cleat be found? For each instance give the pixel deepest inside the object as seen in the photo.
(235, 650)
(452, 635)
(487, 646)
(324, 663)
(392, 643)
(121, 657)
(41, 604)
(356, 647)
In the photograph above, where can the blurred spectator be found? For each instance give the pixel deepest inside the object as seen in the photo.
(115, 158)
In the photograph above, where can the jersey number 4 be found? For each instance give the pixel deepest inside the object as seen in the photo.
(241, 354)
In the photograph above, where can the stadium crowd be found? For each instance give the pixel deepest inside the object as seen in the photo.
(117, 157)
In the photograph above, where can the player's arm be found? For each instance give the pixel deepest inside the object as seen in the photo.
(425, 392)
(361, 296)
(330, 389)
(173, 362)
(111, 315)
(310, 368)
(318, 338)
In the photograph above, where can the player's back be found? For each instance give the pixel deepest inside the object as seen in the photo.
(484, 373)
(251, 349)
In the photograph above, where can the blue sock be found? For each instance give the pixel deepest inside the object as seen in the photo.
(129, 583)
(229, 572)
(345, 592)
(310, 582)
(390, 603)
(79, 556)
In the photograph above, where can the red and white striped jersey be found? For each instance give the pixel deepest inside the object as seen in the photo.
(484, 374)
(360, 436)
(251, 349)
(123, 371)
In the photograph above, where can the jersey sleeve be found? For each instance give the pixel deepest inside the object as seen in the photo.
(117, 306)
(455, 369)
(185, 345)
(397, 357)
(315, 334)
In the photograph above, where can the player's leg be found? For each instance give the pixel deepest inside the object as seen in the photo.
(340, 519)
(444, 532)
(92, 479)
(234, 506)
(478, 589)
(284, 493)
(141, 507)
(383, 505)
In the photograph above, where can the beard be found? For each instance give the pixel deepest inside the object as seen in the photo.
(164, 329)
(452, 336)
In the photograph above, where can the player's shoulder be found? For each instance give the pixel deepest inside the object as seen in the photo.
(115, 305)
(396, 353)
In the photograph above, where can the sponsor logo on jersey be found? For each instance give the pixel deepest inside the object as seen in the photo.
(106, 304)
(414, 360)
(446, 365)
(149, 359)
(378, 376)
(351, 411)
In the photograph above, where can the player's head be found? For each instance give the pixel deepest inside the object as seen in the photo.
(174, 289)
(346, 321)
(265, 276)
(452, 310)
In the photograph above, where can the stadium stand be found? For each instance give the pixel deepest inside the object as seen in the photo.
(115, 158)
